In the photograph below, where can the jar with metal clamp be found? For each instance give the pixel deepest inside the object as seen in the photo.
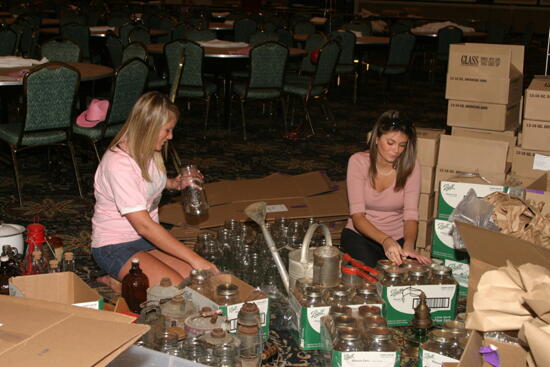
(440, 347)
(419, 275)
(348, 340)
(380, 339)
(382, 265)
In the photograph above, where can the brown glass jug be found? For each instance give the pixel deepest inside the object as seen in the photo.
(134, 287)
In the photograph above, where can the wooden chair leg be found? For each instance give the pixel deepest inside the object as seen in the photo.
(75, 167)
(243, 118)
(16, 173)
(283, 106)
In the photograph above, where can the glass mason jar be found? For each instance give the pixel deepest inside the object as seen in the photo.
(342, 321)
(227, 294)
(382, 265)
(227, 355)
(202, 239)
(419, 275)
(224, 242)
(233, 225)
(348, 340)
(365, 311)
(380, 339)
(408, 263)
(393, 277)
(167, 342)
(193, 349)
(373, 321)
(368, 294)
(339, 295)
(458, 329)
(441, 345)
(335, 311)
(194, 196)
(442, 275)
(200, 282)
(295, 235)
(314, 297)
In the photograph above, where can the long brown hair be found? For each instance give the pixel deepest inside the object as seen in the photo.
(390, 121)
(141, 130)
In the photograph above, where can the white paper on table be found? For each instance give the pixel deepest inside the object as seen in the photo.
(229, 22)
(223, 44)
(102, 28)
(435, 27)
(16, 61)
(276, 208)
(541, 162)
(318, 20)
(220, 14)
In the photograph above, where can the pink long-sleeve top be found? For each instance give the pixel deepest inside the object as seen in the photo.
(386, 210)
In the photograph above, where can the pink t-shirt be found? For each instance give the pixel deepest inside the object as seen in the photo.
(120, 189)
(386, 210)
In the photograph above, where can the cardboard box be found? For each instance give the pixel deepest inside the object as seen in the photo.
(511, 355)
(451, 194)
(524, 163)
(137, 356)
(426, 206)
(443, 243)
(64, 287)
(485, 73)
(507, 136)
(425, 233)
(308, 195)
(400, 301)
(427, 145)
(246, 292)
(479, 115)
(537, 99)
(539, 196)
(40, 333)
(536, 134)
(461, 273)
(427, 177)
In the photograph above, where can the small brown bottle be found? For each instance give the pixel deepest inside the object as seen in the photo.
(134, 287)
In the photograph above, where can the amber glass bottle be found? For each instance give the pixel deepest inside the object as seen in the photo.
(134, 287)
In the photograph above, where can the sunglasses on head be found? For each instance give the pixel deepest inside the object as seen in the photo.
(395, 123)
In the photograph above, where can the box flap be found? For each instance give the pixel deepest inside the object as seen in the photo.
(35, 333)
(470, 154)
(540, 83)
(495, 248)
(482, 59)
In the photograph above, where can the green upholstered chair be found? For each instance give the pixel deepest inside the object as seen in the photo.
(26, 37)
(244, 28)
(117, 20)
(200, 35)
(445, 37)
(267, 69)
(50, 92)
(61, 49)
(114, 48)
(316, 86)
(260, 37)
(127, 86)
(134, 50)
(179, 31)
(167, 24)
(140, 34)
(79, 34)
(313, 42)
(199, 23)
(285, 37)
(401, 48)
(8, 41)
(193, 85)
(124, 33)
(303, 27)
(346, 65)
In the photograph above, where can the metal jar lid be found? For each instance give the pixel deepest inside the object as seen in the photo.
(339, 310)
(344, 321)
(367, 310)
(418, 270)
(457, 328)
(348, 333)
(227, 290)
(441, 336)
(367, 288)
(374, 321)
(441, 270)
(380, 333)
(314, 291)
(393, 272)
(384, 264)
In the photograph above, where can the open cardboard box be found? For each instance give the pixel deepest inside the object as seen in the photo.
(308, 195)
(64, 287)
(490, 250)
(40, 333)
(507, 136)
(530, 163)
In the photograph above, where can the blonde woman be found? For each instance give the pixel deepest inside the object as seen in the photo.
(128, 185)
(383, 191)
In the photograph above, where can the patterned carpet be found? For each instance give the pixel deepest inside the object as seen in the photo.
(49, 190)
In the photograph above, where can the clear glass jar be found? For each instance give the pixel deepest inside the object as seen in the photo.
(348, 340)
(335, 311)
(368, 294)
(419, 275)
(213, 252)
(440, 346)
(224, 242)
(248, 234)
(457, 328)
(168, 343)
(393, 277)
(382, 265)
(200, 282)
(227, 294)
(365, 311)
(342, 321)
(442, 275)
(202, 239)
(233, 225)
(227, 355)
(194, 196)
(408, 263)
(295, 235)
(339, 295)
(313, 297)
(373, 321)
(193, 349)
(380, 339)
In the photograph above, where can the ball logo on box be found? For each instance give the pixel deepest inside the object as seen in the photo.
(469, 60)
(444, 226)
(447, 187)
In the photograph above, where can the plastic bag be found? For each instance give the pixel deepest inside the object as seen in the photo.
(471, 210)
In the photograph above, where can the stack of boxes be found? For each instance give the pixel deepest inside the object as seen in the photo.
(484, 89)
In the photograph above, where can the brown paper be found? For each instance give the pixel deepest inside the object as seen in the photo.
(537, 335)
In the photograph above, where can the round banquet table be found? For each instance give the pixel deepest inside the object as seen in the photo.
(102, 33)
(220, 26)
(219, 52)
(88, 72)
(434, 34)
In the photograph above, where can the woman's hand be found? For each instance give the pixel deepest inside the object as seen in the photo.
(393, 251)
(182, 181)
(409, 252)
(200, 263)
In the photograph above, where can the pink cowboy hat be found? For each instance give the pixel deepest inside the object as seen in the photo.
(96, 112)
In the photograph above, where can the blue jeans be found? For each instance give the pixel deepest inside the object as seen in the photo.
(111, 258)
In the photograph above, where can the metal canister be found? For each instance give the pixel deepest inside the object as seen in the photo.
(326, 266)
(380, 339)
(374, 321)
(348, 340)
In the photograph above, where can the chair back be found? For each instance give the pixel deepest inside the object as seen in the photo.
(8, 41)
(198, 22)
(151, 19)
(117, 20)
(401, 47)
(304, 27)
(497, 32)
(314, 42)
(79, 34)
(267, 65)
(135, 50)
(285, 37)
(200, 35)
(26, 37)
(243, 29)
(61, 49)
(46, 110)
(128, 85)
(363, 26)
(179, 32)
(194, 56)
(346, 40)
(260, 37)
(140, 34)
(400, 27)
(124, 33)
(115, 49)
(445, 37)
(328, 58)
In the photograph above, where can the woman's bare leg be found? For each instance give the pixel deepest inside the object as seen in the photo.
(182, 267)
(153, 267)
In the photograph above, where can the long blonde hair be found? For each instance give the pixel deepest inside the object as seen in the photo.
(141, 131)
(393, 120)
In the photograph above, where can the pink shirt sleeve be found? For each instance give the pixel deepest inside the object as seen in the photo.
(412, 194)
(356, 180)
(126, 187)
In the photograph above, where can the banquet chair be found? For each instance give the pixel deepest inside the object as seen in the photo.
(200, 35)
(80, 34)
(363, 26)
(317, 85)
(138, 50)
(445, 37)
(313, 42)
(8, 41)
(179, 31)
(260, 37)
(243, 29)
(285, 37)
(140, 34)
(193, 85)
(26, 37)
(346, 65)
(303, 27)
(267, 68)
(114, 48)
(60, 49)
(117, 20)
(48, 116)
(134, 50)
(127, 86)
(124, 33)
(167, 24)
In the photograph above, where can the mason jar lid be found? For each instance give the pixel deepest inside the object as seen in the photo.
(348, 333)
(418, 270)
(441, 336)
(380, 333)
(227, 290)
(314, 291)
